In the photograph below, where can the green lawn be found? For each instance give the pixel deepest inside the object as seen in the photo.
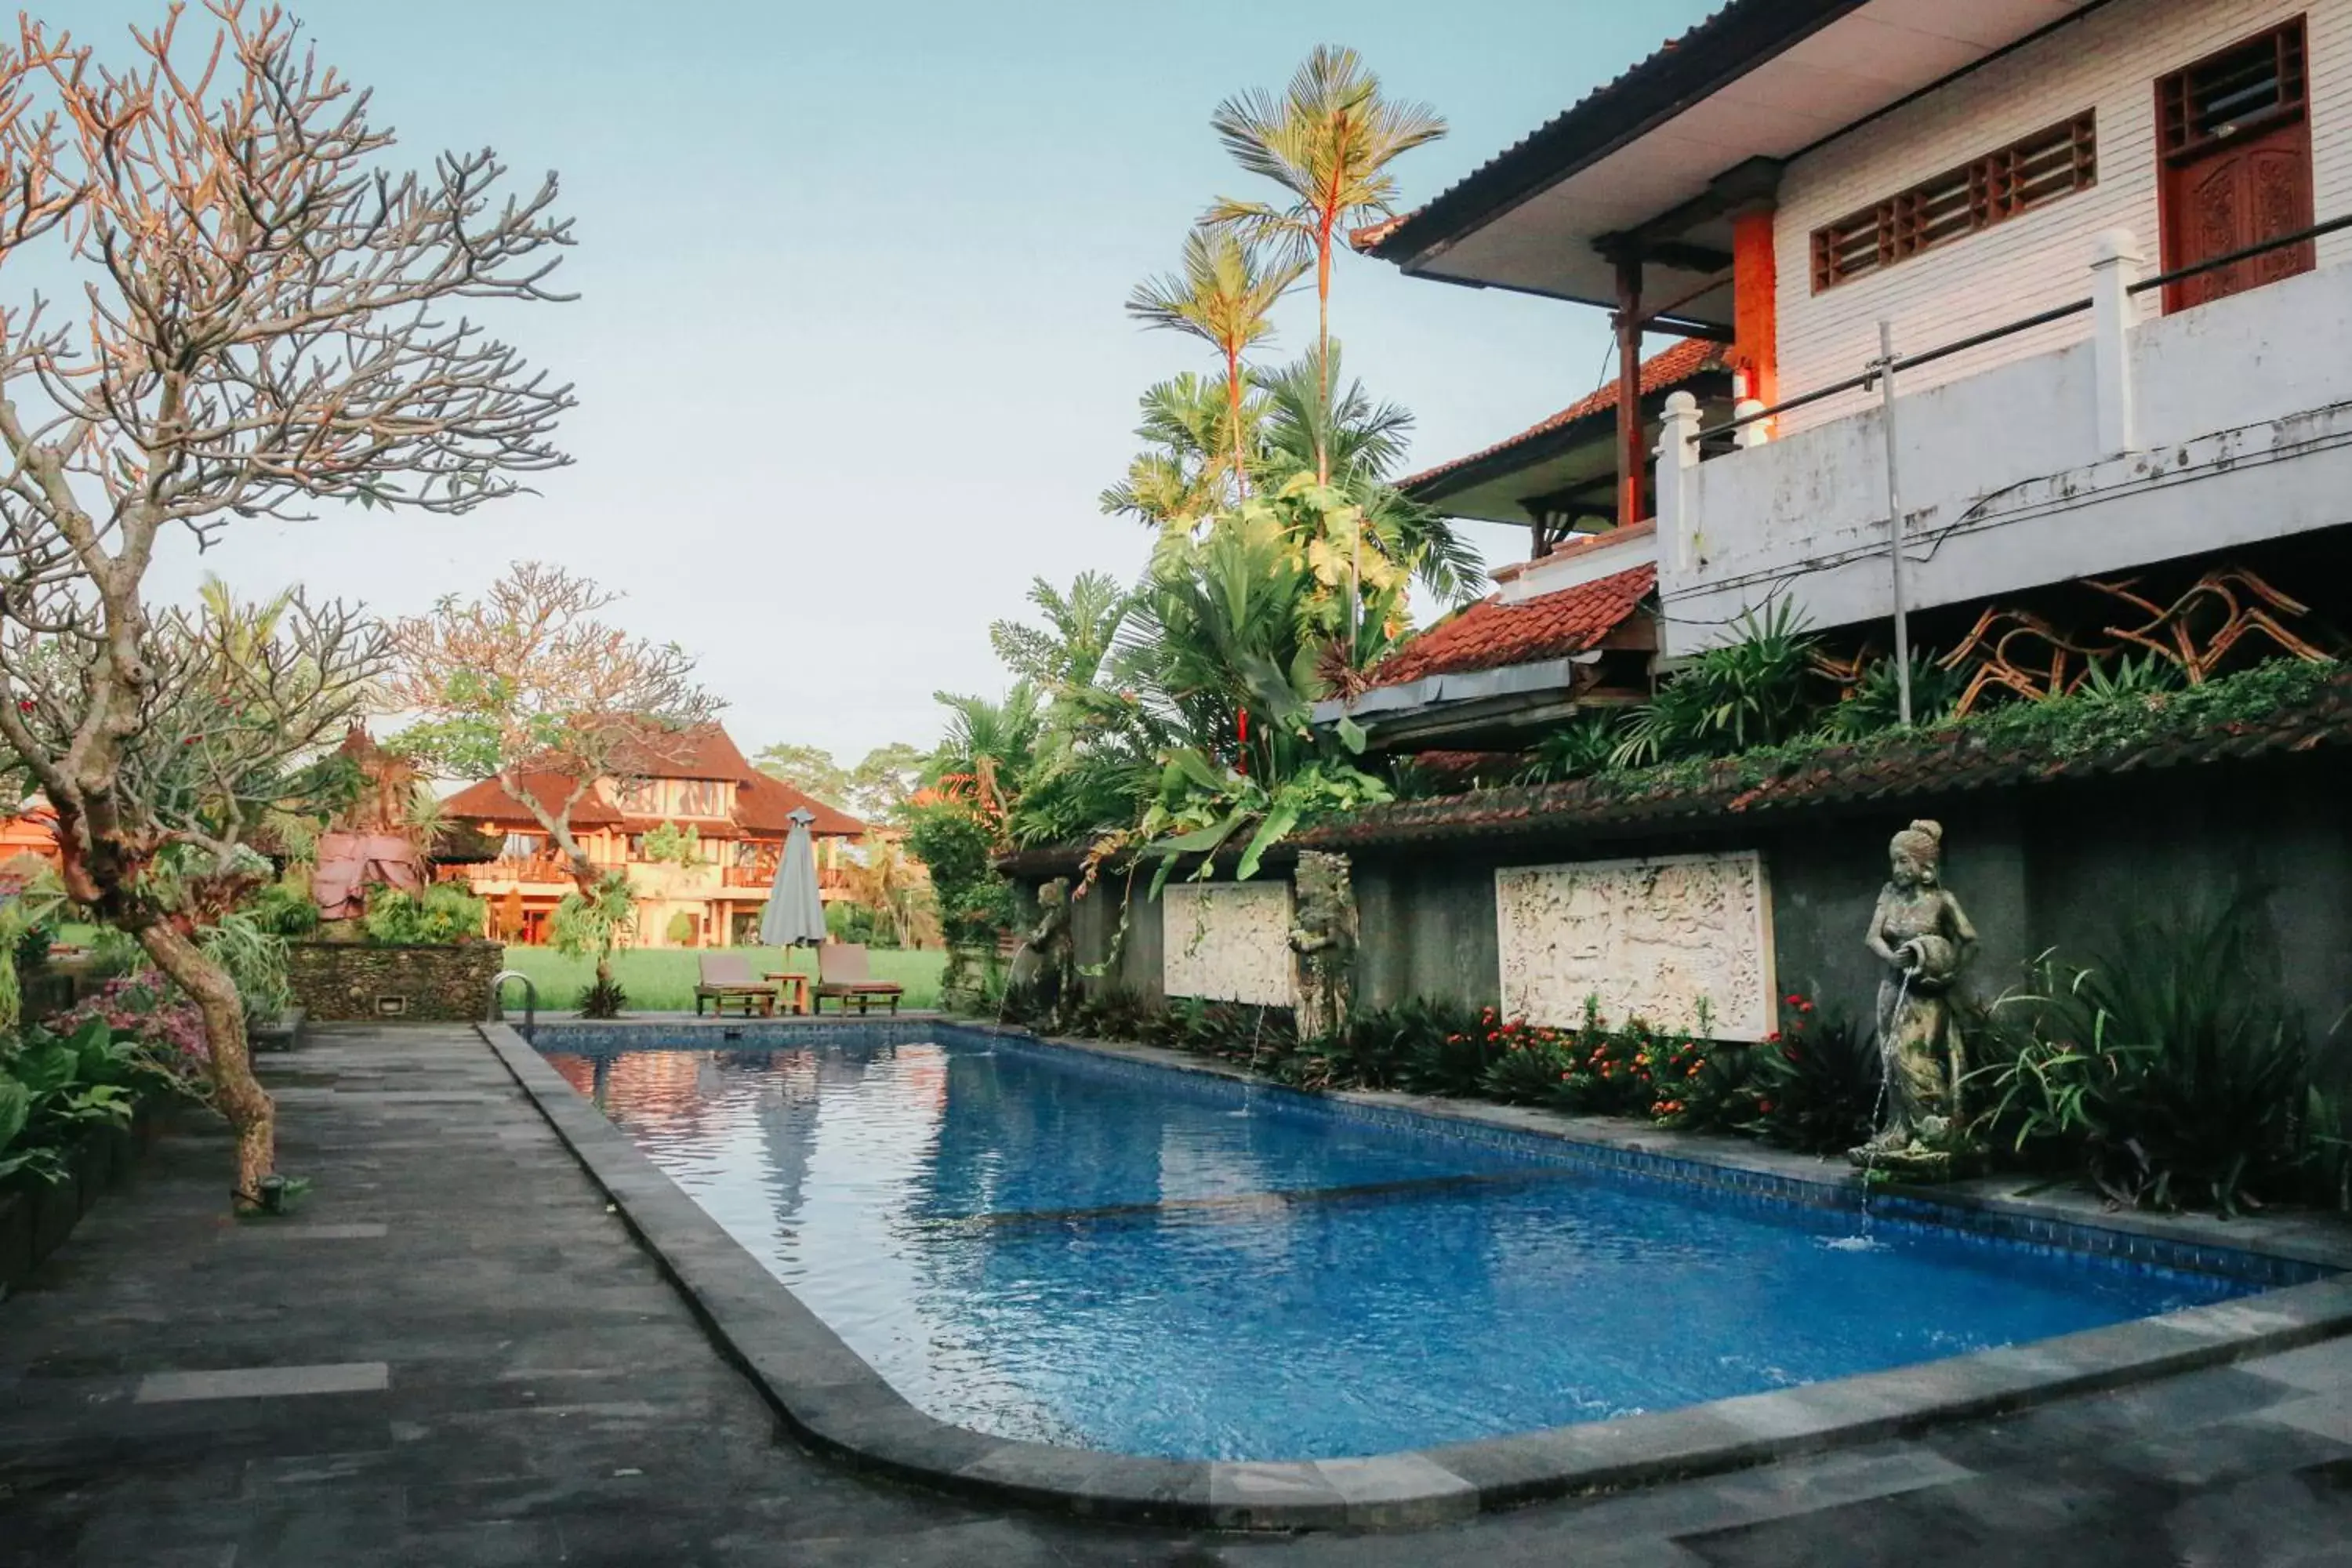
(661, 979)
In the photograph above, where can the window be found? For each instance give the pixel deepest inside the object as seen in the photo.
(702, 797)
(640, 797)
(2254, 84)
(2235, 133)
(1979, 193)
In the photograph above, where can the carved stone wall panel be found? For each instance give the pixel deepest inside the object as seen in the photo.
(1649, 938)
(1228, 942)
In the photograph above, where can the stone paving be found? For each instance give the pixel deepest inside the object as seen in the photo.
(455, 1354)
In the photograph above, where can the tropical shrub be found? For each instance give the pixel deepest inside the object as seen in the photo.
(1530, 1065)
(1753, 692)
(1585, 745)
(88, 1068)
(976, 904)
(1875, 703)
(52, 1086)
(2168, 1070)
(1437, 1047)
(589, 927)
(283, 910)
(2324, 1146)
(443, 913)
(160, 1030)
(255, 959)
(1815, 1082)
(1110, 1012)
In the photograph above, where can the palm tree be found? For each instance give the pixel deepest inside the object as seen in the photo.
(1366, 443)
(1063, 654)
(1328, 143)
(886, 881)
(1174, 481)
(988, 748)
(1223, 296)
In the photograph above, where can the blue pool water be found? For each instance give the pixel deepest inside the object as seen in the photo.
(1030, 1242)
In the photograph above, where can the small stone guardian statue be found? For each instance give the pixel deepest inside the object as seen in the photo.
(1923, 936)
(1323, 942)
(1052, 967)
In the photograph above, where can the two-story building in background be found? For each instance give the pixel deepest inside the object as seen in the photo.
(713, 896)
(2097, 238)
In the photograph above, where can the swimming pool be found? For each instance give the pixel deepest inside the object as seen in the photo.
(1038, 1242)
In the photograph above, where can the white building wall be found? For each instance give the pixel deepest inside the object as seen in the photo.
(2108, 60)
(2242, 433)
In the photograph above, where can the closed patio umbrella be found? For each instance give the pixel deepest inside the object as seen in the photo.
(794, 913)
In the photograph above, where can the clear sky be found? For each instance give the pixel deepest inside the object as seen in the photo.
(850, 354)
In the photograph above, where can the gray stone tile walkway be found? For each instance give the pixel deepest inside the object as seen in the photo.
(546, 1398)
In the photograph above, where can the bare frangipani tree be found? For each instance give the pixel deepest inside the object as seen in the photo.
(526, 686)
(261, 325)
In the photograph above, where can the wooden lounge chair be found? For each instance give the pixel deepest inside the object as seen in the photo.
(727, 977)
(842, 974)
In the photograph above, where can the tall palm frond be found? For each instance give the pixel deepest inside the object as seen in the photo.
(1063, 654)
(1327, 141)
(988, 747)
(1177, 478)
(1224, 296)
(1312, 407)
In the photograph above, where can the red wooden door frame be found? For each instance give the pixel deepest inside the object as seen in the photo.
(2279, 132)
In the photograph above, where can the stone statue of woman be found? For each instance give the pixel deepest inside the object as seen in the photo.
(1323, 942)
(1053, 969)
(1923, 936)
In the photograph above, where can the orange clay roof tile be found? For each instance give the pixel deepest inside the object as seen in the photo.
(1492, 632)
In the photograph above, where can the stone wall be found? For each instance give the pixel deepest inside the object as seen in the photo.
(2064, 865)
(349, 982)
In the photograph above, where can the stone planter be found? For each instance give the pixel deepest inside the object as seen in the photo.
(16, 1239)
(35, 1218)
(351, 982)
(283, 1033)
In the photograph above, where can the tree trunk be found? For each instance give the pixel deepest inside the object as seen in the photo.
(1233, 411)
(236, 1093)
(1323, 341)
(584, 879)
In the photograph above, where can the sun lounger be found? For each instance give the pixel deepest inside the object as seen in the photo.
(727, 977)
(842, 974)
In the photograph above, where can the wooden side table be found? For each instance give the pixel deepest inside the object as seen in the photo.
(794, 992)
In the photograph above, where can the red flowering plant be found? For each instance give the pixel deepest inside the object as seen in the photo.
(1530, 1062)
(157, 1030)
(1617, 1070)
(1814, 1083)
(1704, 1085)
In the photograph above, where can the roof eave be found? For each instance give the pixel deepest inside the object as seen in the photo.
(1704, 60)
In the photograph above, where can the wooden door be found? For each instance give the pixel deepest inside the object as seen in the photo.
(2236, 130)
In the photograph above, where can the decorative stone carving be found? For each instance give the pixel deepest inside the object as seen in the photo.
(1227, 942)
(1923, 936)
(1665, 940)
(1323, 939)
(1052, 959)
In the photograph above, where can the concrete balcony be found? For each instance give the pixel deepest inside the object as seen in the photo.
(2214, 428)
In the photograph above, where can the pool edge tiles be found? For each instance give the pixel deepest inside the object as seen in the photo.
(833, 1400)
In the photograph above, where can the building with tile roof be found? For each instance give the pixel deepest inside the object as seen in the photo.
(741, 818)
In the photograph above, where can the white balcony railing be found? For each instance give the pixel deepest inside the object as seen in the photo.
(2211, 429)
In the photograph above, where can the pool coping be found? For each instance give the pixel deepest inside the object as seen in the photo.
(830, 1399)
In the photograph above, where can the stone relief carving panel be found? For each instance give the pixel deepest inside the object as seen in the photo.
(1228, 942)
(1650, 938)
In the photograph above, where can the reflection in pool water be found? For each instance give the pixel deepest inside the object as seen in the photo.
(1030, 1244)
